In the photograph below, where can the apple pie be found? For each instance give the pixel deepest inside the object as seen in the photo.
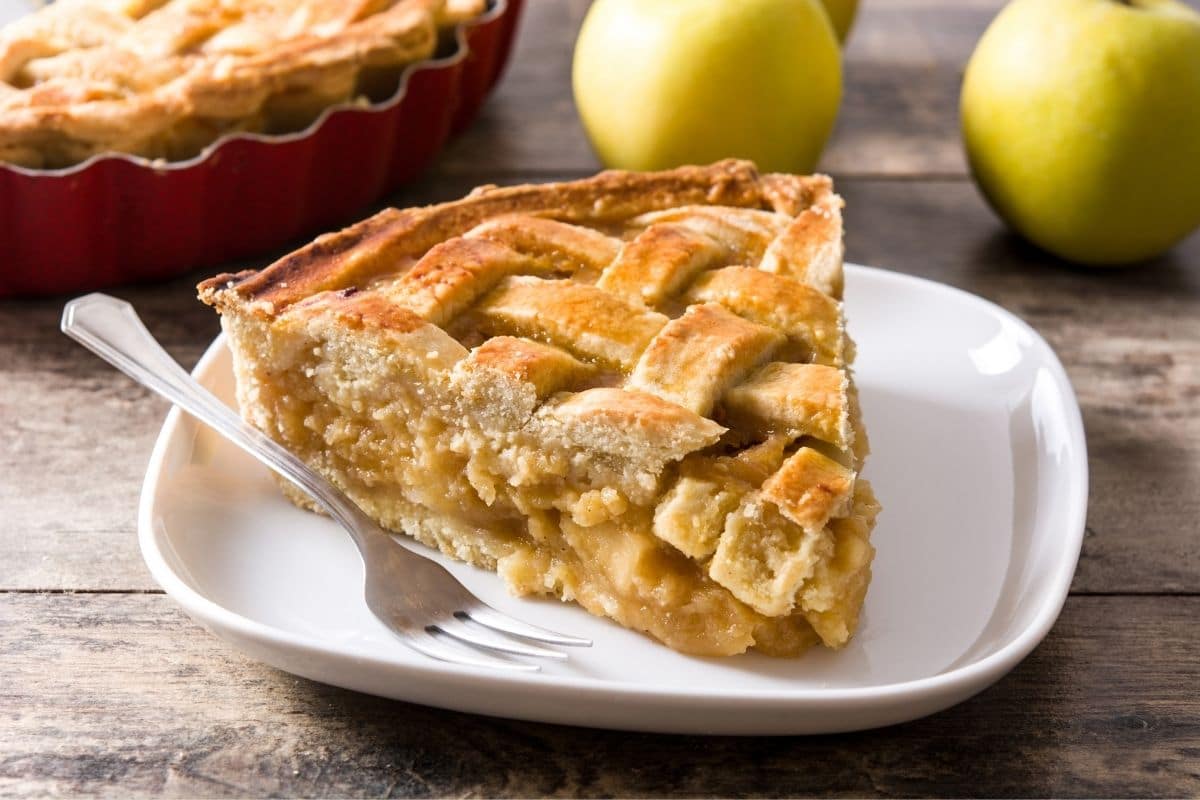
(165, 78)
(631, 391)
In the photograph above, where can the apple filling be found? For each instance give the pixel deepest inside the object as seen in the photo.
(630, 391)
(466, 464)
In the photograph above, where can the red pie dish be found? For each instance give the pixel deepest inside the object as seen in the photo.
(117, 218)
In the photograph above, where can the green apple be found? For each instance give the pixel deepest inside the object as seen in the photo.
(659, 83)
(841, 14)
(1081, 120)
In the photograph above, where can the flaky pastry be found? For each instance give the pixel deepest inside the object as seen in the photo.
(165, 78)
(631, 391)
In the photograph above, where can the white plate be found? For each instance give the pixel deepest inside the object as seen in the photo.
(978, 458)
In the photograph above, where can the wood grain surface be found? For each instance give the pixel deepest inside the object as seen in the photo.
(140, 703)
(107, 689)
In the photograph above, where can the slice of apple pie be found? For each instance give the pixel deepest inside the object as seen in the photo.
(631, 391)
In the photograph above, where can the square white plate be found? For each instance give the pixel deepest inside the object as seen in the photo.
(978, 459)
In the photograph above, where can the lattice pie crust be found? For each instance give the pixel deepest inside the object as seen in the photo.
(631, 391)
(164, 78)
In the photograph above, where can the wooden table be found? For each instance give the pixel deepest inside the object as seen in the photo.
(107, 688)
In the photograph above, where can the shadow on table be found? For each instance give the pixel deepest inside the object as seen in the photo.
(1003, 253)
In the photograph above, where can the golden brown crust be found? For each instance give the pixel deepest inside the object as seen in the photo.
(811, 489)
(453, 275)
(548, 369)
(794, 399)
(559, 247)
(659, 262)
(164, 79)
(334, 260)
(791, 194)
(628, 422)
(656, 358)
(810, 318)
(576, 316)
(361, 311)
(695, 357)
(391, 239)
(810, 251)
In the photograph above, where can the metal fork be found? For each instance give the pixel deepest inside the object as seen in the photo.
(415, 597)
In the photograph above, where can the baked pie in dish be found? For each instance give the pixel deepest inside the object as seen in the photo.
(631, 391)
(165, 78)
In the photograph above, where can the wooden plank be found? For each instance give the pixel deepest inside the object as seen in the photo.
(78, 438)
(529, 124)
(81, 433)
(139, 700)
(902, 74)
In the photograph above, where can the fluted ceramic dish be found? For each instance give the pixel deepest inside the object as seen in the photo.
(978, 457)
(118, 218)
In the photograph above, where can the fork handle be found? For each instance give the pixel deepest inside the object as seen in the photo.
(111, 329)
